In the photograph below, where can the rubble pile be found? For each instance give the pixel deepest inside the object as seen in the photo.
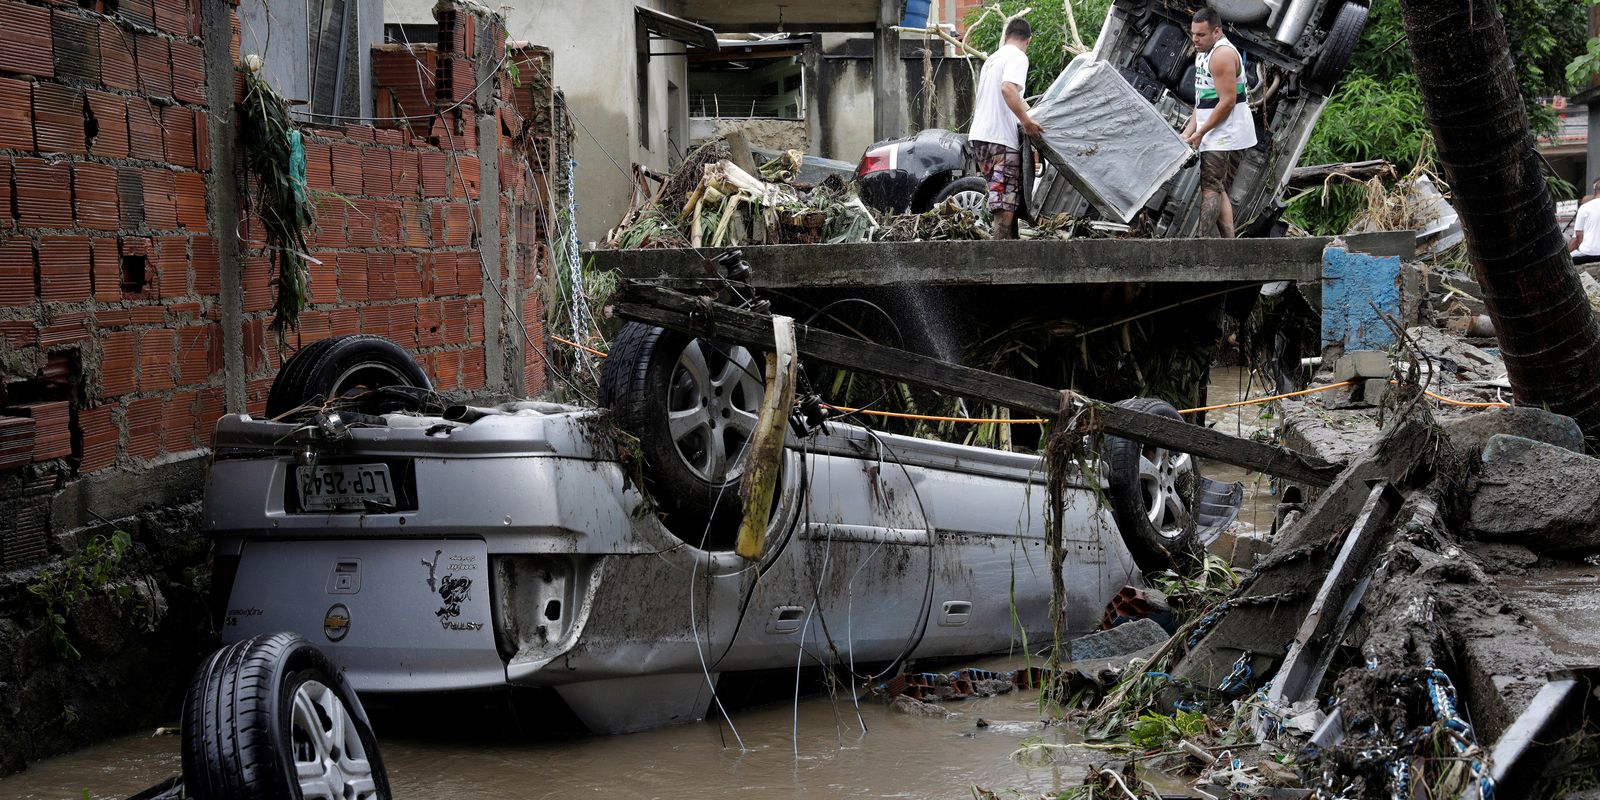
(709, 201)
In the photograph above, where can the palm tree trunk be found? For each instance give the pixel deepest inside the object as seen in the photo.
(1548, 333)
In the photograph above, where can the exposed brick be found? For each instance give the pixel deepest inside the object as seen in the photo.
(209, 407)
(199, 354)
(44, 193)
(52, 429)
(16, 112)
(178, 122)
(5, 191)
(146, 140)
(188, 73)
(130, 198)
(352, 277)
(189, 188)
(143, 419)
(361, 133)
(469, 273)
(452, 225)
(94, 191)
(172, 265)
(160, 204)
(403, 176)
(344, 321)
(118, 363)
(16, 273)
(65, 328)
(205, 265)
(58, 119)
(329, 230)
(156, 357)
(430, 324)
(257, 280)
(473, 373)
(140, 11)
(346, 168)
(431, 166)
(109, 113)
(155, 65)
(416, 224)
(202, 140)
(76, 41)
(324, 278)
(319, 165)
(172, 16)
(25, 40)
(255, 396)
(65, 269)
(254, 346)
(177, 422)
(377, 177)
(99, 434)
(107, 271)
(407, 272)
(117, 66)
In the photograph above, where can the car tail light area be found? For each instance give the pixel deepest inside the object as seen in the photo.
(877, 159)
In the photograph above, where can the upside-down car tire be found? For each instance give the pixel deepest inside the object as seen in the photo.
(339, 365)
(693, 405)
(1154, 494)
(270, 718)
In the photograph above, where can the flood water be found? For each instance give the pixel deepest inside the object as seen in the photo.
(1231, 384)
(898, 755)
(814, 749)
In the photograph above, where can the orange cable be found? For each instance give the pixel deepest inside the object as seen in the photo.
(589, 350)
(1259, 400)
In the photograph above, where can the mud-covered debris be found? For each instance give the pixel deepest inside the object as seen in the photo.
(1537, 495)
(1125, 639)
(906, 704)
(1470, 433)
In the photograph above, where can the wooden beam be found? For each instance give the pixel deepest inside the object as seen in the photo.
(703, 317)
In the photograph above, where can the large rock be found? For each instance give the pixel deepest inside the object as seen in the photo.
(1538, 495)
(1470, 434)
(1125, 639)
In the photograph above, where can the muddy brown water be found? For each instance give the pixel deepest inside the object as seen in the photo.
(814, 749)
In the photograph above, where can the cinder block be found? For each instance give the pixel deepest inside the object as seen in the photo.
(1362, 364)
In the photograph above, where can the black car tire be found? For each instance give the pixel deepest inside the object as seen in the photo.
(1153, 547)
(644, 383)
(1337, 48)
(969, 184)
(242, 736)
(336, 366)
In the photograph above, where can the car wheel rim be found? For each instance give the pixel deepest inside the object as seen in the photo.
(367, 376)
(714, 396)
(976, 202)
(1164, 479)
(330, 761)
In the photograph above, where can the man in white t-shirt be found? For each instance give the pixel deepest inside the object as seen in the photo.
(997, 111)
(1585, 244)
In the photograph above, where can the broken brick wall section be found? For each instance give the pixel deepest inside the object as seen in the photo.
(114, 331)
(111, 340)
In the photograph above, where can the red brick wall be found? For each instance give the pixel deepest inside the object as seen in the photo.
(104, 165)
(103, 139)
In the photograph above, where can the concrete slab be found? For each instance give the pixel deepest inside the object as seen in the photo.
(1009, 263)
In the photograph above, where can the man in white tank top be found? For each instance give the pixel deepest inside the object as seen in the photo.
(1222, 126)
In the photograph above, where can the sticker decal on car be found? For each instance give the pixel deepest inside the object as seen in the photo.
(453, 590)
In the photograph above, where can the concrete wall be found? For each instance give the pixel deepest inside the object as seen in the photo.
(838, 83)
(593, 46)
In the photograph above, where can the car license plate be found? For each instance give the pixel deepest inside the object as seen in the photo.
(341, 487)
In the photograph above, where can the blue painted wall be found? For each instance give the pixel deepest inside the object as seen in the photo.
(1352, 283)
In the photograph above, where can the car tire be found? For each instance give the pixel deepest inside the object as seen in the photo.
(693, 406)
(970, 193)
(261, 712)
(336, 366)
(1153, 494)
(1337, 48)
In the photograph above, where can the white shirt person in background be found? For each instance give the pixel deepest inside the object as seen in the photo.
(997, 111)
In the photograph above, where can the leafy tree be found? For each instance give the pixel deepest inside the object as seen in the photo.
(1047, 53)
(1587, 64)
(1377, 110)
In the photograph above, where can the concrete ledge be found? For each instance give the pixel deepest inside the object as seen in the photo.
(122, 493)
(1011, 263)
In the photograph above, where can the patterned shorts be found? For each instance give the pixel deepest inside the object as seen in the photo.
(1217, 168)
(1002, 166)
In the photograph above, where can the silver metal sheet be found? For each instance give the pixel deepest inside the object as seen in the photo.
(1109, 142)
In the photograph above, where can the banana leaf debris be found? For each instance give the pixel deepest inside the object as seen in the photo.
(709, 201)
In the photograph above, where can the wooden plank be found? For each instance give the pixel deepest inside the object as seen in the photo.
(702, 317)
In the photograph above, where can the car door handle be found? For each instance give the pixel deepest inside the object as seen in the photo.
(955, 613)
(786, 619)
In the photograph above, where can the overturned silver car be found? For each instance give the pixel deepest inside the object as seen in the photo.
(431, 549)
